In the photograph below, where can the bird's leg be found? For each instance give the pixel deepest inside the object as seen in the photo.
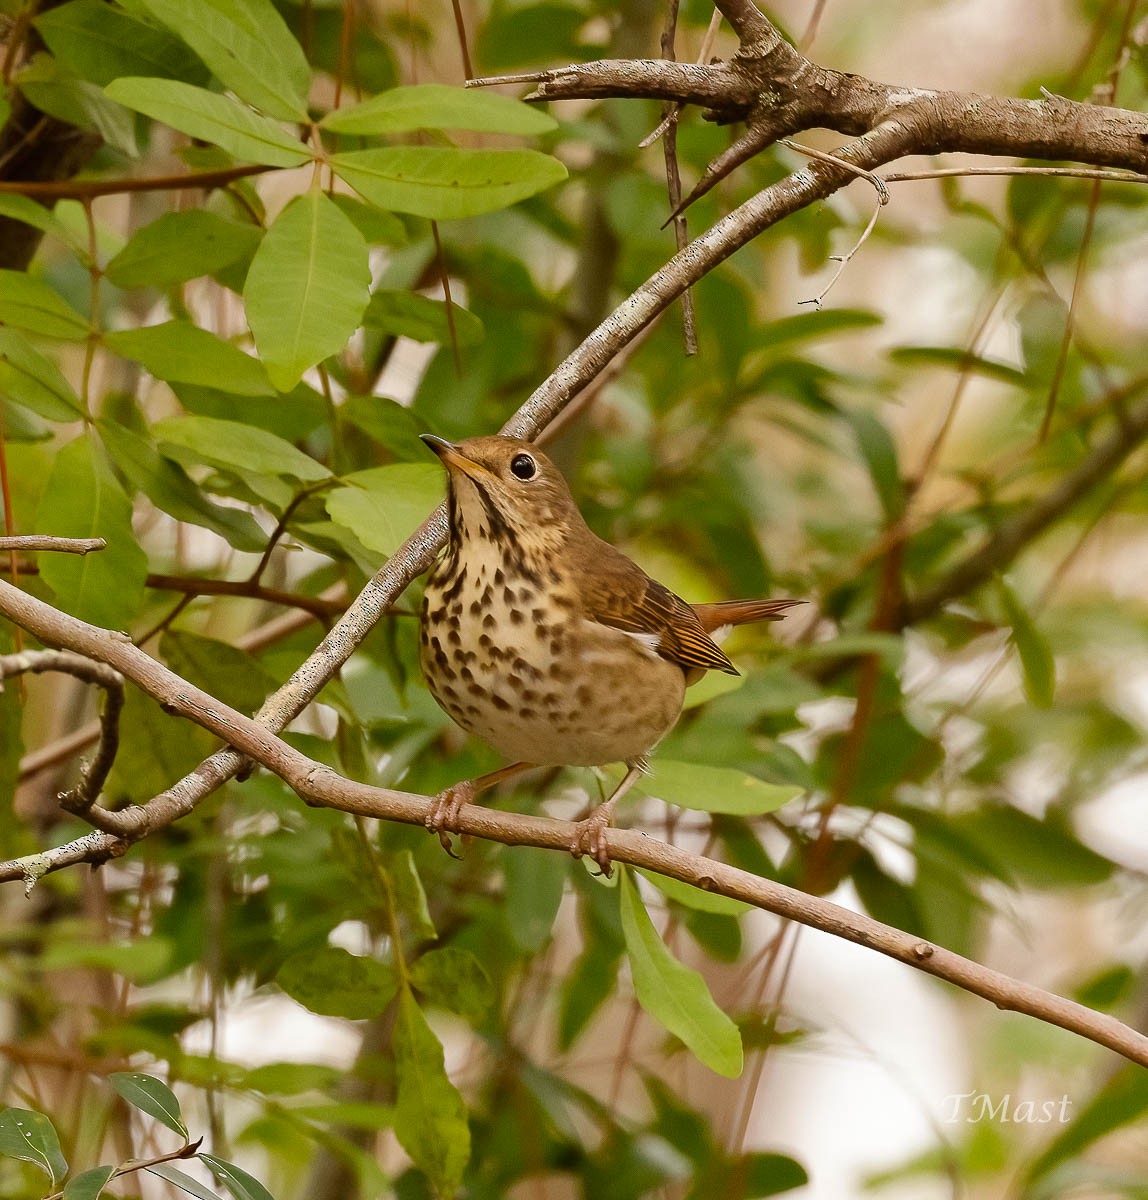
(446, 806)
(590, 834)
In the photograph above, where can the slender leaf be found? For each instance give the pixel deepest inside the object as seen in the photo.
(29, 303)
(410, 896)
(247, 47)
(442, 182)
(958, 359)
(238, 1182)
(675, 995)
(407, 314)
(1036, 659)
(82, 499)
(77, 102)
(716, 789)
(435, 106)
(696, 898)
(152, 1096)
(31, 1137)
(30, 379)
(179, 352)
(27, 211)
(216, 119)
(307, 287)
(89, 1185)
(232, 445)
(183, 1181)
(430, 1117)
(880, 454)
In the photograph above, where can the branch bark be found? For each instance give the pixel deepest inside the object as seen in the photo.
(318, 785)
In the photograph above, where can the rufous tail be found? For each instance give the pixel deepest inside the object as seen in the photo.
(741, 612)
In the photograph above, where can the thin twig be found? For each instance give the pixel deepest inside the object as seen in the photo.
(35, 542)
(88, 189)
(1066, 172)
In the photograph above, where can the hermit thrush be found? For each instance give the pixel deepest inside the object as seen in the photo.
(545, 641)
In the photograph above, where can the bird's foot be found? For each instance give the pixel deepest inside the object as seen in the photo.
(445, 808)
(590, 837)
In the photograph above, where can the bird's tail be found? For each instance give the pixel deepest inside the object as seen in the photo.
(741, 612)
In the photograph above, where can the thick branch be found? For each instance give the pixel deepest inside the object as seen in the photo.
(319, 785)
(30, 542)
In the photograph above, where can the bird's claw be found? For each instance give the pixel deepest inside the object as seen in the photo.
(442, 818)
(590, 838)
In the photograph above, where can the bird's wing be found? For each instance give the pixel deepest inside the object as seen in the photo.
(618, 593)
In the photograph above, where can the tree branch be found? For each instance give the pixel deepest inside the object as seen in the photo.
(30, 542)
(318, 785)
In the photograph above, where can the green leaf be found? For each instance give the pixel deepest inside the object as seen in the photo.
(77, 102)
(715, 789)
(152, 1096)
(31, 1137)
(442, 182)
(385, 505)
(289, 1078)
(535, 880)
(237, 1181)
(336, 983)
(306, 288)
(585, 989)
(1036, 658)
(694, 897)
(218, 668)
(180, 352)
(154, 750)
(247, 47)
(27, 211)
(430, 1117)
(815, 325)
(100, 43)
(232, 446)
(142, 960)
(29, 379)
(410, 896)
(89, 1185)
(29, 303)
(675, 995)
(179, 246)
(212, 118)
(880, 454)
(167, 486)
(454, 979)
(435, 106)
(378, 227)
(957, 359)
(83, 500)
(407, 314)
(182, 1180)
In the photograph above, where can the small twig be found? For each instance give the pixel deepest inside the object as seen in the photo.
(80, 799)
(1067, 172)
(843, 260)
(88, 189)
(32, 542)
(187, 1150)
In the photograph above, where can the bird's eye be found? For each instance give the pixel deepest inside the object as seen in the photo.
(522, 467)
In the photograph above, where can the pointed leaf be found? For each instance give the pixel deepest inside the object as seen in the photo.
(100, 43)
(180, 352)
(234, 446)
(89, 1185)
(152, 1096)
(407, 314)
(676, 995)
(82, 499)
(182, 1180)
(410, 896)
(442, 182)
(336, 983)
(1036, 657)
(219, 668)
(216, 119)
(454, 979)
(180, 246)
(430, 1117)
(26, 210)
(167, 486)
(31, 1137)
(30, 379)
(696, 898)
(77, 102)
(29, 303)
(435, 106)
(247, 46)
(716, 789)
(306, 288)
(237, 1181)
(386, 505)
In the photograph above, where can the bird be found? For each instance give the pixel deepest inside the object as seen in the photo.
(547, 642)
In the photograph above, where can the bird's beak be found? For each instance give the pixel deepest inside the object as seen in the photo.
(453, 458)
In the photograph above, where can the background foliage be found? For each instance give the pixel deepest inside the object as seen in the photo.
(227, 384)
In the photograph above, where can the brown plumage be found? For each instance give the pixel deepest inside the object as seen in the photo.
(548, 642)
